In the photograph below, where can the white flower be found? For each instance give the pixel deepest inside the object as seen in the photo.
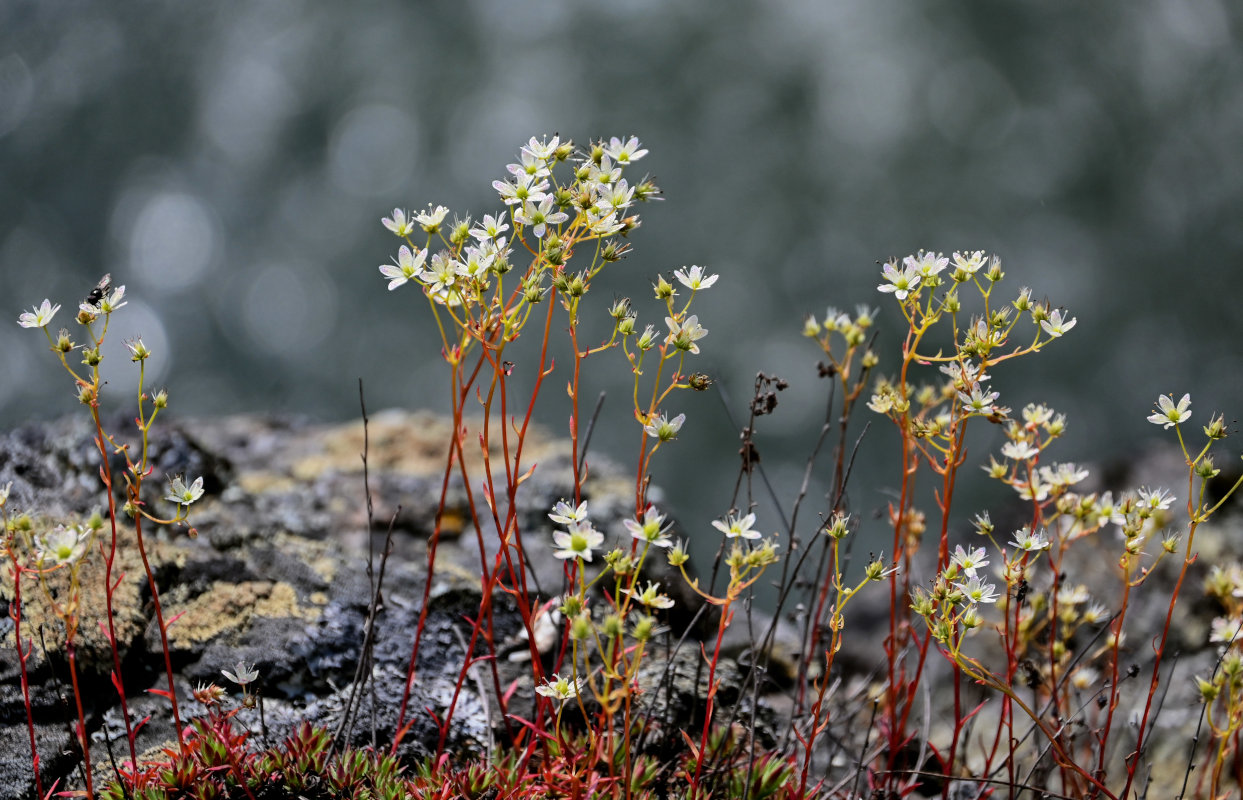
(491, 228)
(663, 428)
(539, 215)
(970, 263)
(523, 189)
(604, 173)
(409, 265)
(1224, 630)
(901, 283)
(734, 527)
(1109, 511)
(1024, 539)
(1063, 474)
(969, 562)
(684, 334)
(542, 149)
(579, 542)
(559, 688)
(650, 597)
(624, 152)
(399, 223)
(441, 274)
(1054, 326)
(1019, 451)
(651, 529)
(1167, 413)
(1036, 491)
(564, 513)
(241, 674)
(1156, 499)
(617, 196)
(431, 219)
(978, 402)
(184, 495)
(964, 374)
(976, 591)
(693, 277)
(926, 265)
(61, 545)
(40, 317)
(1073, 595)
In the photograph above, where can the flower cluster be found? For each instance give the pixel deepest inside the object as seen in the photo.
(549, 217)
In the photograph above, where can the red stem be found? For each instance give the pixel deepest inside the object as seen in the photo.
(105, 474)
(15, 611)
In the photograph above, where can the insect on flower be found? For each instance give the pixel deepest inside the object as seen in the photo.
(97, 294)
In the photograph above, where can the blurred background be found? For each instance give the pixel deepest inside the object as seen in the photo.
(230, 164)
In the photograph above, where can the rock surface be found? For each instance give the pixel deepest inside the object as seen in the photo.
(276, 577)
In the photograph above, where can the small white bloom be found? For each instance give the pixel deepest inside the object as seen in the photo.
(663, 428)
(523, 189)
(969, 562)
(241, 674)
(976, 591)
(865, 315)
(926, 265)
(624, 152)
(1063, 474)
(409, 265)
(901, 282)
(441, 274)
(1036, 491)
(399, 223)
(969, 263)
(581, 539)
(539, 215)
(431, 219)
(684, 334)
(1167, 413)
(650, 597)
(1055, 326)
(564, 513)
(693, 277)
(531, 167)
(1019, 451)
(737, 527)
(541, 149)
(1224, 630)
(61, 545)
(617, 196)
(559, 688)
(40, 316)
(651, 530)
(1156, 499)
(491, 228)
(181, 494)
(1073, 595)
(647, 339)
(979, 401)
(1024, 539)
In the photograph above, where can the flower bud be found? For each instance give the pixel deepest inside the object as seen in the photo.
(664, 290)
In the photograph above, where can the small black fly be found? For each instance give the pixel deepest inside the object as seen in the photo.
(97, 294)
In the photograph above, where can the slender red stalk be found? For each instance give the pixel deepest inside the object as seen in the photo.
(15, 612)
(105, 474)
(159, 620)
(80, 726)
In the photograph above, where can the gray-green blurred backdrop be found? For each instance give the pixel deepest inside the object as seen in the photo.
(229, 162)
